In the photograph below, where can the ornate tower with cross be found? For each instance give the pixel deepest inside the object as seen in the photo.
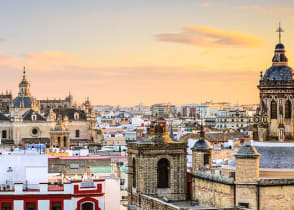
(274, 117)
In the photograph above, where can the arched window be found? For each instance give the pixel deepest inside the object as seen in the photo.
(288, 109)
(4, 134)
(163, 173)
(273, 110)
(87, 206)
(64, 141)
(134, 172)
(77, 133)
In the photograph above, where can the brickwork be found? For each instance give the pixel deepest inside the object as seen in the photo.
(247, 170)
(213, 194)
(276, 197)
(147, 157)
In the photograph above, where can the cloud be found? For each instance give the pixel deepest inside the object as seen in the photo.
(205, 36)
(267, 11)
(205, 4)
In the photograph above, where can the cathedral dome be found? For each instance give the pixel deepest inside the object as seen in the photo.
(279, 70)
(278, 73)
(23, 102)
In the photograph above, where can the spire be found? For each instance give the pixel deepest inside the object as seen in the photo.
(280, 30)
(171, 134)
(24, 73)
(202, 133)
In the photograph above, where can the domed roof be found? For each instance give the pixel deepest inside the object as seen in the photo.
(202, 144)
(279, 70)
(22, 101)
(280, 46)
(278, 73)
(247, 150)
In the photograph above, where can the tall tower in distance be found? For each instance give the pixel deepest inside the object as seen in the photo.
(24, 85)
(274, 117)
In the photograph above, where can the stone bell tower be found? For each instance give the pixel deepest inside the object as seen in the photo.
(157, 166)
(274, 117)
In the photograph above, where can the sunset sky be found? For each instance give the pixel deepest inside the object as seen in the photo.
(133, 51)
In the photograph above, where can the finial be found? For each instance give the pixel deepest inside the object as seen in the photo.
(280, 30)
(260, 74)
(201, 132)
(24, 70)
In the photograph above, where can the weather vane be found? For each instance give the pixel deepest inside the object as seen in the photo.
(280, 30)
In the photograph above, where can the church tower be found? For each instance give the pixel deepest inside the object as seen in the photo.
(157, 166)
(274, 117)
(24, 85)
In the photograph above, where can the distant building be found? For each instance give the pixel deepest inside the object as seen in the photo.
(26, 124)
(163, 110)
(235, 119)
(5, 102)
(194, 110)
(46, 105)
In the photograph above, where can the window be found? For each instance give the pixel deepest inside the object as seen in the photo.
(244, 205)
(4, 134)
(30, 205)
(35, 131)
(163, 173)
(64, 141)
(34, 117)
(206, 159)
(77, 133)
(76, 116)
(56, 205)
(273, 110)
(288, 110)
(134, 172)
(87, 206)
(6, 206)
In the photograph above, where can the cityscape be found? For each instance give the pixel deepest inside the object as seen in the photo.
(91, 121)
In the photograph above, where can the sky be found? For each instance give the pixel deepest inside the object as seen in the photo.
(128, 52)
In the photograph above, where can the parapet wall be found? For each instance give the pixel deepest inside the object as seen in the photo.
(213, 191)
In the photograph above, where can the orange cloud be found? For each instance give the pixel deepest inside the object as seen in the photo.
(268, 11)
(205, 4)
(206, 36)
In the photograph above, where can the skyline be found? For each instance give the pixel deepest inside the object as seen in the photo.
(114, 53)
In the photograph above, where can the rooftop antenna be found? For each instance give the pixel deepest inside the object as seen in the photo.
(280, 30)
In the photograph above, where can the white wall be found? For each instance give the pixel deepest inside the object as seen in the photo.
(112, 194)
(18, 205)
(24, 167)
(43, 204)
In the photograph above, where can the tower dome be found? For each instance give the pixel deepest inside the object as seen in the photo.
(279, 69)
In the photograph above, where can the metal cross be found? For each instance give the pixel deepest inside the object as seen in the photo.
(280, 30)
